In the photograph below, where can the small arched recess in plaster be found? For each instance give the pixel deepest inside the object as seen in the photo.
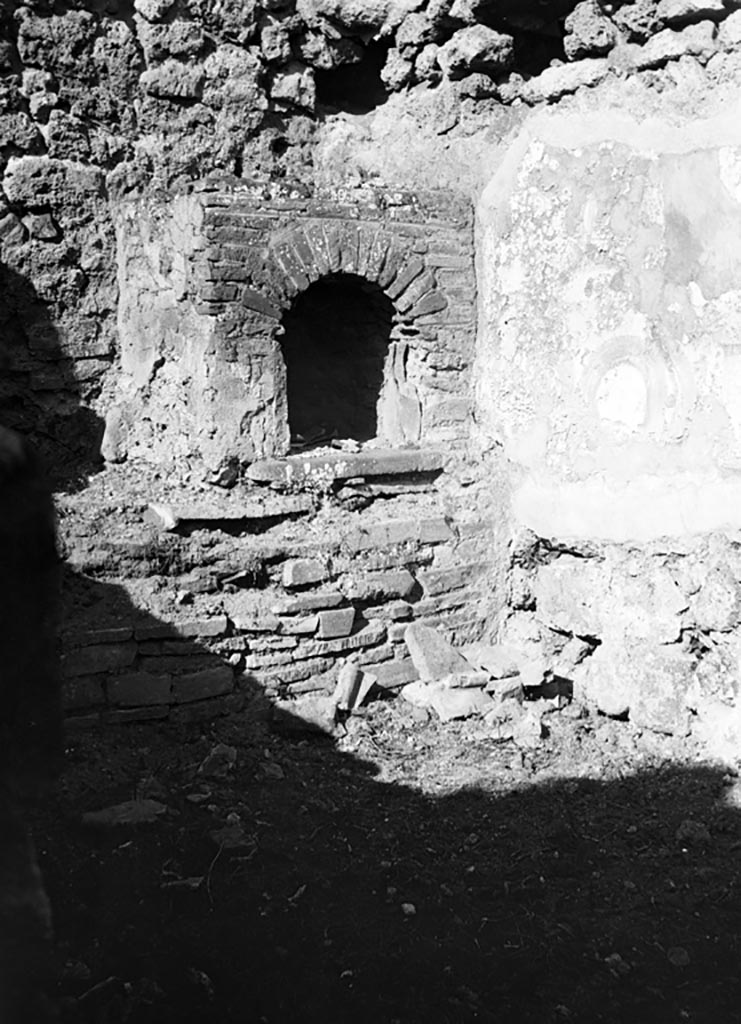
(335, 346)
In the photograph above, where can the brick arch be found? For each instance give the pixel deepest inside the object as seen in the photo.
(301, 255)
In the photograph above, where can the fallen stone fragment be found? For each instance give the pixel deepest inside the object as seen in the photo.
(499, 660)
(527, 730)
(161, 516)
(691, 831)
(572, 654)
(131, 812)
(678, 956)
(272, 770)
(230, 837)
(451, 704)
(617, 965)
(431, 653)
(465, 680)
(509, 688)
(416, 693)
(533, 670)
(353, 686)
(219, 762)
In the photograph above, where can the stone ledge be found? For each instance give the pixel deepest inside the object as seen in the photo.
(297, 469)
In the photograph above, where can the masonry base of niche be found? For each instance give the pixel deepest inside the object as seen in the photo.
(181, 596)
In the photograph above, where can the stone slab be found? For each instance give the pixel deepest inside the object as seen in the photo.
(380, 586)
(303, 572)
(335, 622)
(296, 469)
(499, 660)
(391, 674)
(138, 689)
(433, 657)
(212, 682)
(313, 602)
(100, 658)
(398, 531)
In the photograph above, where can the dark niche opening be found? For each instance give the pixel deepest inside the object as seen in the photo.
(355, 88)
(335, 344)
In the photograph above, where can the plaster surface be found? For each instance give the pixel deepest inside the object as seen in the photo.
(609, 362)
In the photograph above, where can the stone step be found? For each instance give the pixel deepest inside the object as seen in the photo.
(383, 462)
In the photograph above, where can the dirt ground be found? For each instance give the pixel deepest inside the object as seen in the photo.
(407, 872)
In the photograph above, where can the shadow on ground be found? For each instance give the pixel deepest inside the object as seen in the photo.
(298, 885)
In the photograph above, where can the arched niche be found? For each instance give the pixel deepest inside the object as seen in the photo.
(335, 345)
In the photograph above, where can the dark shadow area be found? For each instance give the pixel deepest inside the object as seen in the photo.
(295, 885)
(39, 394)
(335, 345)
(355, 88)
(46, 437)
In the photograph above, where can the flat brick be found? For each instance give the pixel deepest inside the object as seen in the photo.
(335, 623)
(83, 692)
(298, 672)
(123, 716)
(441, 581)
(435, 531)
(212, 682)
(80, 723)
(302, 627)
(88, 661)
(390, 674)
(104, 635)
(273, 643)
(323, 683)
(398, 531)
(441, 603)
(215, 625)
(372, 634)
(380, 586)
(156, 648)
(432, 302)
(404, 278)
(155, 631)
(176, 664)
(303, 572)
(139, 689)
(272, 659)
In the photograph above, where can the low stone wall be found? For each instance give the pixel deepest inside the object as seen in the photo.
(184, 604)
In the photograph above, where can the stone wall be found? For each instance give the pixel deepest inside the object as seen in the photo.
(186, 605)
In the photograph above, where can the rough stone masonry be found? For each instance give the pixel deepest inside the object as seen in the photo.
(517, 221)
